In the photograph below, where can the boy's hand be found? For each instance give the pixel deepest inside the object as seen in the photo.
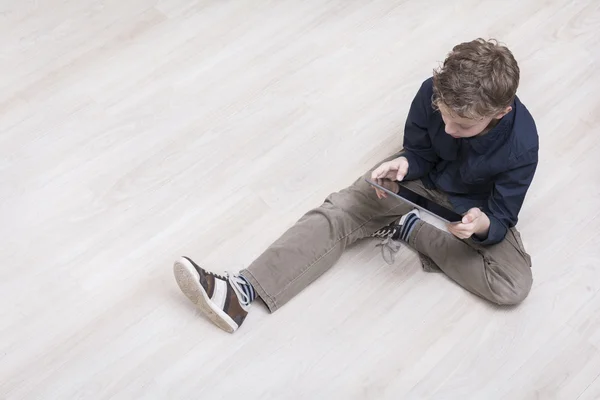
(394, 170)
(474, 222)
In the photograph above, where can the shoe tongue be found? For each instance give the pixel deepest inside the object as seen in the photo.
(236, 290)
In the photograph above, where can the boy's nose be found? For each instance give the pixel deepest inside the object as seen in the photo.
(450, 130)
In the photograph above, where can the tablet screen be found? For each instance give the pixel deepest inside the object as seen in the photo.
(421, 202)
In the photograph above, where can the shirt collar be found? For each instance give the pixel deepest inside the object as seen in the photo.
(481, 144)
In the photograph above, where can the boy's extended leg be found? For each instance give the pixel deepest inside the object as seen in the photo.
(310, 247)
(302, 254)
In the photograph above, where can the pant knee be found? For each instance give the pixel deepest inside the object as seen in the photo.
(515, 298)
(514, 291)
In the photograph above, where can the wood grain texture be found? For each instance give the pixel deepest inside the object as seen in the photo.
(134, 132)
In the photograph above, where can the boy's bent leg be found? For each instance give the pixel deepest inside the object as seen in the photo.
(310, 247)
(500, 273)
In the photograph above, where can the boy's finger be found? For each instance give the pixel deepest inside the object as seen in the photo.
(456, 231)
(381, 171)
(401, 174)
(469, 228)
(377, 173)
(464, 228)
(472, 215)
(461, 234)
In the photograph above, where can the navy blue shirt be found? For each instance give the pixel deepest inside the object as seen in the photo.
(491, 171)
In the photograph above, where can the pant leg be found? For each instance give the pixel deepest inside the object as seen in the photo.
(310, 247)
(500, 273)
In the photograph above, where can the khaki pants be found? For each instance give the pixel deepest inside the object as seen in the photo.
(500, 273)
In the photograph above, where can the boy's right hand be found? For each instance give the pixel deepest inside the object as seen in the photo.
(394, 170)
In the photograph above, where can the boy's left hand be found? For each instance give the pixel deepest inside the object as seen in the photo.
(474, 222)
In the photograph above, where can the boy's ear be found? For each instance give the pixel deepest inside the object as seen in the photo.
(503, 113)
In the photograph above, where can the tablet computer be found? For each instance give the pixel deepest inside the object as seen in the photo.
(420, 202)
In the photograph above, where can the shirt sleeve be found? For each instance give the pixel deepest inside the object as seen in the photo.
(506, 200)
(418, 148)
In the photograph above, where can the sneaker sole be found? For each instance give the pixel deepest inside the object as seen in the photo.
(188, 280)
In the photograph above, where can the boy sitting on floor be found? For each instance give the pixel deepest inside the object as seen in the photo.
(469, 144)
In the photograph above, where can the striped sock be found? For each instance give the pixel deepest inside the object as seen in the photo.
(408, 223)
(247, 288)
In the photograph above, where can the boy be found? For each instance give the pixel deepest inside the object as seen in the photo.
(469, 144)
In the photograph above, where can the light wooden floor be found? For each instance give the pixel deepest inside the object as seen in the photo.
(132, 132)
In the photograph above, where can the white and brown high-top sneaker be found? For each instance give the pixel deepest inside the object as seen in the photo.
(219, 297)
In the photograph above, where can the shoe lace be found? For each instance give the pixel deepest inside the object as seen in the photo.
(384, 232)
(389, 249)
(237, 283)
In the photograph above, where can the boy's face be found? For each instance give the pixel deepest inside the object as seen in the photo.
(459, 127)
